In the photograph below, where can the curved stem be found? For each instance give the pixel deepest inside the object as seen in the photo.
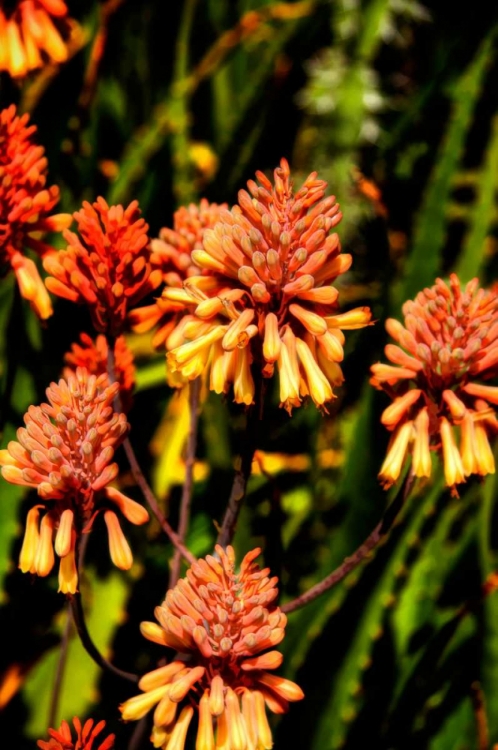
(352, 562)
(89, 645)
(243, 470)
(186, 501)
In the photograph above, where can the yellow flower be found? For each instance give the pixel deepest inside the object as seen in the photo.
(448, 343)
(65, 452)
(268, 268)
(223, 625)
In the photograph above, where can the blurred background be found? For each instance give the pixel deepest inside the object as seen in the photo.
(394, 103)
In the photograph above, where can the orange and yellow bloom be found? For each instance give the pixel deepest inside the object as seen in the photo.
(33, 32)
(108, 268)
(171, 252)
(223, 625)
(26, 204)
(65, 452)
(446, 347)
(86, 737)
(93, 354)
(265, 297)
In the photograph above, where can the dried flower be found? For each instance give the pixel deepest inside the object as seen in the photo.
(33, 32)
(86, 735)
(222, 624)
(172, 254)
(65, 452)
(449, 342)
(109, 269)
(93, 354)
(25, 205)
(268, 298)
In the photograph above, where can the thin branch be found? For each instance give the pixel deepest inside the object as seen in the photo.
(150, 498)
(352, 562)
(136, 470)
(59, 672)
(106, 10)
(186, 501)
(243, 470)
(89, 645)
(477, 699)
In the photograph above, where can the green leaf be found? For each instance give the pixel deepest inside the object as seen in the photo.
(81, 674)
(423, 264)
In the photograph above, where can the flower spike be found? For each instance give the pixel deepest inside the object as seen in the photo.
(265, 297)
(65, 452)
(225, 626)
(447, 345)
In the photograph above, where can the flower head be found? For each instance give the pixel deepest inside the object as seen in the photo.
(108, 268)
(449, 343)
(86, 735)
(33, 32)
(223, 625)
(65, 452)
(92, 354)
(25, 205)
(269, 297)
(171, 252)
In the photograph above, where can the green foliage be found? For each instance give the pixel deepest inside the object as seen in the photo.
(384, 90)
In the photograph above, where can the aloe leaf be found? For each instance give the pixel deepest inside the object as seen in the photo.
(423, 264)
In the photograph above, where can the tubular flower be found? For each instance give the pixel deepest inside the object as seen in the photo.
(172, 254)
(25, 205)
(93, 355)
(86, 735)
(65, 452)
(269, 298)
(33, 32)
(109, 268)
(448, 344)
(223, 625)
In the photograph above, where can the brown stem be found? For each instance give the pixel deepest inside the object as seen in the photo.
(186, 501)
(106, 10)
(150, 498)
(136, 470)
(477, 699)
(243, 471)
(59, 673)
(352, 562)
(89, 645)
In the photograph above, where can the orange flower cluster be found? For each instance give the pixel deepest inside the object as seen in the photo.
(449, 342)
(65, 452)
(86, 735)
(31, 32)
(93, 356)
(172, 254)
(265, 295)
(223, 623)
(25, 205)
(109, 269)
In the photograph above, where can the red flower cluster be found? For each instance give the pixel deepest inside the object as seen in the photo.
(108, 268)
(86, 735)
(93, 354)
(25, 205)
